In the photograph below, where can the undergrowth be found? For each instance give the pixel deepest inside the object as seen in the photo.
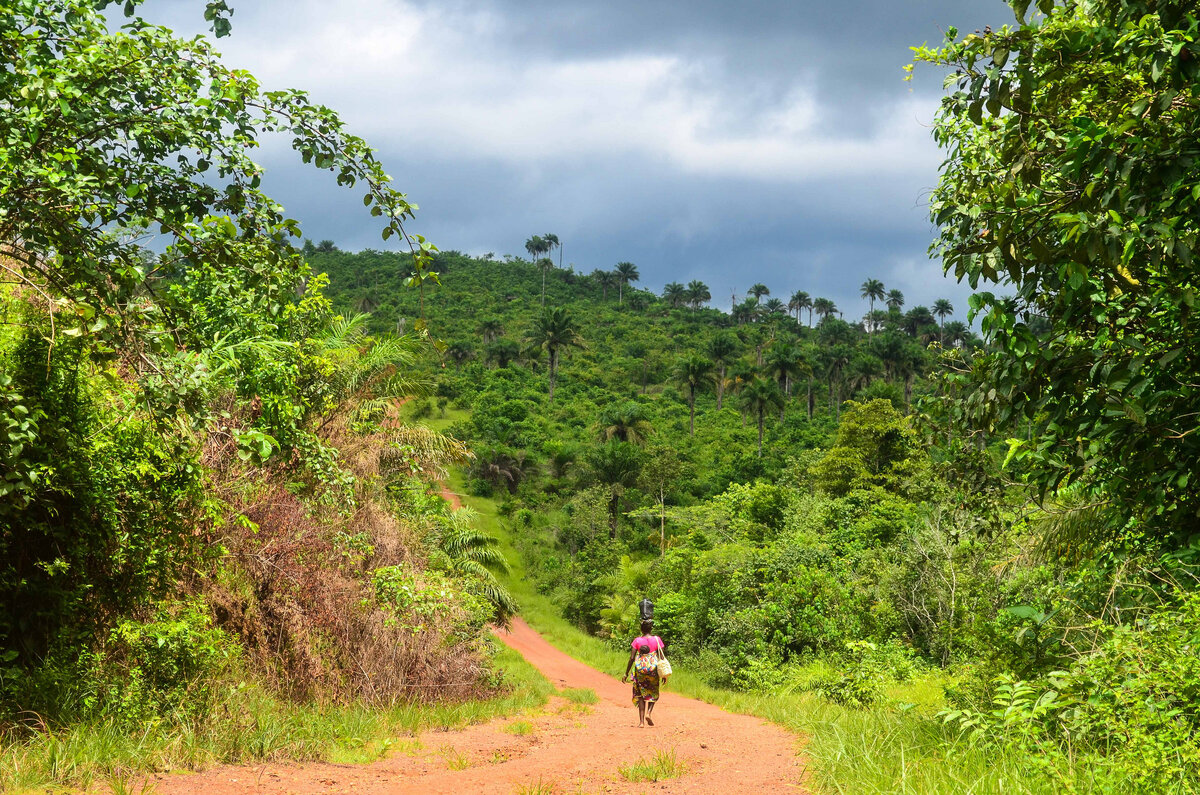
(899, 745)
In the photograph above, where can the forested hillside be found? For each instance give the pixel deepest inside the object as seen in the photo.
(958, 561)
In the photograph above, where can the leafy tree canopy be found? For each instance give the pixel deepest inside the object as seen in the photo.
(1072, 180)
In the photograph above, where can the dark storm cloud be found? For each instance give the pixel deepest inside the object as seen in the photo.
(732, 143)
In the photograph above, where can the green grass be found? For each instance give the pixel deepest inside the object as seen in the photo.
(520, 728)
(663, 765)
(885, 749)
(254, 727)
(580, 695)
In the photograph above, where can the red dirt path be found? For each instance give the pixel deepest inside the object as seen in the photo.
(571, 749)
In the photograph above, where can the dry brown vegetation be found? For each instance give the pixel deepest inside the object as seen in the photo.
(292, 580)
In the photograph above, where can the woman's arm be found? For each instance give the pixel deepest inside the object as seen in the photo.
(628, 667)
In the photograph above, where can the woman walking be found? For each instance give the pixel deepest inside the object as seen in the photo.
(644, 656)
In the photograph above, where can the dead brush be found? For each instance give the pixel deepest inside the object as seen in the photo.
(305, 610)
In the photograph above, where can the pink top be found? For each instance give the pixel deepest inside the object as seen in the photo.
(653, 641)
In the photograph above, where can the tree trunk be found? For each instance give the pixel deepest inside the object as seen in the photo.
(662, 521)
(543, 286)
(553, 370)
(721, 389)
(692, 413)
(614, 505)
(811, 401)
(760, 432)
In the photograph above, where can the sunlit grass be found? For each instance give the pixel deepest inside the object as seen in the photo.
(662, 765)
(520, 728)
(580, 695)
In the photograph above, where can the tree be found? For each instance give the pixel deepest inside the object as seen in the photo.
(895, 300)
(674, 294)
(535, 246)
(554, 330)
(916, 319)
(745, 312)
(942, 308)
(721, 350)
(697, 294)
(1066, 179)
(956, 333)
(544, 264)
(490, 329)
(626, 272)
(758, 291)
(799, 302)
(662, 473)
(616, 466)
(104, 134)
(625, 423)
(872, 290)
(502, 351)
(783, 364)
(552, 242)
(607, 281)
(774, 307)
(693, 373)
(459, 352)
(759, 397)
(825, 308)
(455, 544)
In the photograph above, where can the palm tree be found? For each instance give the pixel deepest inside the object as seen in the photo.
(872, 290)
(758, 397)
(759, 290)
(824, 307)
(455, 545)
(459, 352)
(607, 281)
(799, 302)
(836, 359)
(784, 365)
(626, 272)
(535, 245)
(697, 294)
(693, 373)
(552, 243)
(775, 307)
(956, 333)
(942, 308)
(721, 351)
(917, 318)
(545, 264)
(490, 329)
(625, 423)
(552, 332)
(617, 466)
(500, 352)
(674, 294)
(895, 299)
(744, 312)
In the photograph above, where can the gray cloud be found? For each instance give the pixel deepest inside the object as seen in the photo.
(767, 141)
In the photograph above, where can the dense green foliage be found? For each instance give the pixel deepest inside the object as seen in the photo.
(202, 479)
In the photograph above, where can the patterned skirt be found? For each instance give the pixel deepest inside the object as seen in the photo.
(645, 687)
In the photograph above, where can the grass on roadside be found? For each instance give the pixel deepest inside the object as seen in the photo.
(662, 765)
(884, 749)
(580, 695)
(253, 727)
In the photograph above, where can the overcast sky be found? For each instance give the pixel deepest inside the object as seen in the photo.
(727, 142)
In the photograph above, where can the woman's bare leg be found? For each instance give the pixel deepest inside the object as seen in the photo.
(649, 712)
(642, 714)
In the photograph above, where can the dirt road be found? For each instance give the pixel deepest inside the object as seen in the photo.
(563, 748)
